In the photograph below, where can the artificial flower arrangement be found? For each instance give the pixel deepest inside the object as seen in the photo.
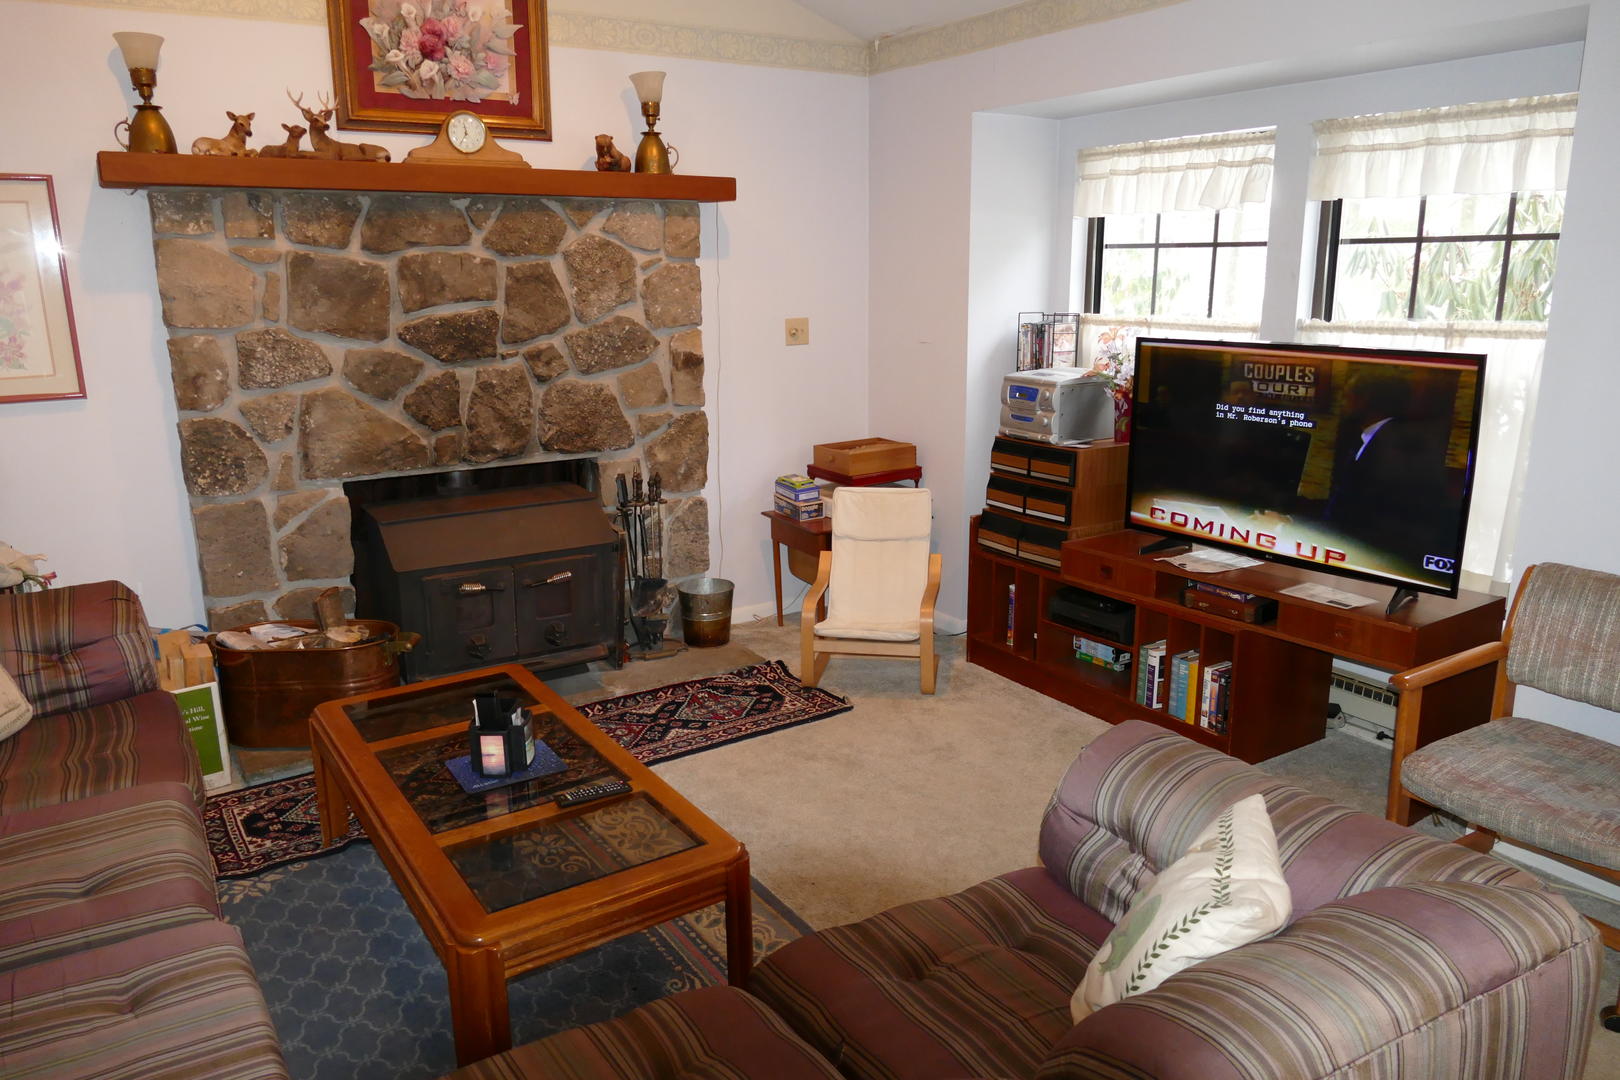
(1115, 361)
(443, 49)
(18, 570)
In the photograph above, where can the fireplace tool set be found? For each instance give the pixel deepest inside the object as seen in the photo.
(649, 596)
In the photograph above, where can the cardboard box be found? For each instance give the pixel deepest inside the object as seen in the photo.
(862, 457)
(800, 511)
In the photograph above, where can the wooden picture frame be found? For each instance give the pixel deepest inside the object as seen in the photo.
(404, 65)
(39, 350)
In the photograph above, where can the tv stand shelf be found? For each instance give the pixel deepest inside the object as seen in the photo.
(1281, 670)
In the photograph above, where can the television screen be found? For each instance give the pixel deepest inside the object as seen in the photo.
(1356, 461)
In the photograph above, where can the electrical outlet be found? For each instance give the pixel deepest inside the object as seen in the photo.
(798, 331)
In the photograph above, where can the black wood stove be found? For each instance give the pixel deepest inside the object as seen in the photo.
(529, 575)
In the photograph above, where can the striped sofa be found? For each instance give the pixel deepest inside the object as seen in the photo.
(1405, 957)
(113, 960)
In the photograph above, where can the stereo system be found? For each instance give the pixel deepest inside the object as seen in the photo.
(1057, 405)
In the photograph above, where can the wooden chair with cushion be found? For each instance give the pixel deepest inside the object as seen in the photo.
(881, 579)
(1542, 787)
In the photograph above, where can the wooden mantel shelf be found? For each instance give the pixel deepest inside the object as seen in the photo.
(120, 169)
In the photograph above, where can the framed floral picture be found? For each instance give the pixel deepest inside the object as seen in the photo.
(39, 352)
(403, 65)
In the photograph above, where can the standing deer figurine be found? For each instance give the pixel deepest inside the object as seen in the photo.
(234, 144)
(288, 149)
(322, 145)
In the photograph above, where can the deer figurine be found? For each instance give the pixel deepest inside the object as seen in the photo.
(322, 145)
(288, 149)
(234, 144)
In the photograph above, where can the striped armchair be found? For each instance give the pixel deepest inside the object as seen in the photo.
(1405, 957)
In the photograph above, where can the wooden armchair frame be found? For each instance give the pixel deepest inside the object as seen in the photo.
(818, 650)
(1411, 684)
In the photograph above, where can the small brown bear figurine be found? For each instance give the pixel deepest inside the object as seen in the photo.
(608, 157)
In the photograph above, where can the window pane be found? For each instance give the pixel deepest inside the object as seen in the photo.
(1184, 282)
(1187, 227)
(1465, 215)
(1458, 281)
(1128, 229)
(1127, 282)
(1539, 211)
(1240, 283)
(1372, 281)
(1251, 221)
(1378, 217)
(1529, 285)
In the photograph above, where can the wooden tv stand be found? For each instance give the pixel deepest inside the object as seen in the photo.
(1281, 670)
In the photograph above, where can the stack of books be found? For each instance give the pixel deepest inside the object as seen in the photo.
(799, 498)
(1096, 652)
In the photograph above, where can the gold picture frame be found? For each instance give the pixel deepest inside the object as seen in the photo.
(39, 349)
(404, 65)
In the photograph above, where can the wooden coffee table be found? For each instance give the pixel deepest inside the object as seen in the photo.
(505, 881)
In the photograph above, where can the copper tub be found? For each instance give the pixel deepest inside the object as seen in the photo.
(268, 695)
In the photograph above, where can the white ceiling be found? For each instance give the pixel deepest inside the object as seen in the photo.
(878, 18)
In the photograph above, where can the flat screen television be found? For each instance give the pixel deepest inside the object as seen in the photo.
(1359, 462)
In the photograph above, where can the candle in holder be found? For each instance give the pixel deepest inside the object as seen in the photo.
(501, 737)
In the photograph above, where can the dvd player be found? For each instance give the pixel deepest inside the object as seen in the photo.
(1078, 609)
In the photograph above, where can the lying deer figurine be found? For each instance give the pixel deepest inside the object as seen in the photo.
(322, 145)
(288, 149)
(234, 144)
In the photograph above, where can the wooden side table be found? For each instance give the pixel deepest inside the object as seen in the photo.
(807, 538)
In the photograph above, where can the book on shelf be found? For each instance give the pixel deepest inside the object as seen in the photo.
(1213, 699)
(1147, 673)
(1183, 684)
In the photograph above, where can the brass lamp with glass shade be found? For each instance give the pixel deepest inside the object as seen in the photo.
(148, 132)
(652, 156)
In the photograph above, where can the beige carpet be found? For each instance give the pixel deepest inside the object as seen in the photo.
(903, 797)
(908, 796)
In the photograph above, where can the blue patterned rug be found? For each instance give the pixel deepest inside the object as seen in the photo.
(357, 993)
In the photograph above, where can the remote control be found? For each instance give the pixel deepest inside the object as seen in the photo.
(599, 790)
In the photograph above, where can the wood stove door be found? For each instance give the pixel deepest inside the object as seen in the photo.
(561, 604)
(470, 618)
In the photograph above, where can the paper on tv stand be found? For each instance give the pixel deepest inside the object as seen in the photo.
(1325, 594)
(1206, 560)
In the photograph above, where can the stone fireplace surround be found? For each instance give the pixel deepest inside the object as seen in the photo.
(317, 337)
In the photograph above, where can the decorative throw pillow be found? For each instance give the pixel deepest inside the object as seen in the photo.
(1226, 891)
(14, 708)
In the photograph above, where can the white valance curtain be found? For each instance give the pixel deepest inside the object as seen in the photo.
(1205, 172)
(1487, 148)
(1481, 149)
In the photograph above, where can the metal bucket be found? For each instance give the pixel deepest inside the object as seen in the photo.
(706, 612)
(268, 695)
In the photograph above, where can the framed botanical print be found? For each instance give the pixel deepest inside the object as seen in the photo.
(404, 65)
(39, 352)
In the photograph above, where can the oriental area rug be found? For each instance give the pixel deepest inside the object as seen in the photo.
(683, 718)
(356, 991)
(277, 823)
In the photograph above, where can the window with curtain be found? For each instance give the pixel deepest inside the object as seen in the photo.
(1175, 236)
(1439, 231)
